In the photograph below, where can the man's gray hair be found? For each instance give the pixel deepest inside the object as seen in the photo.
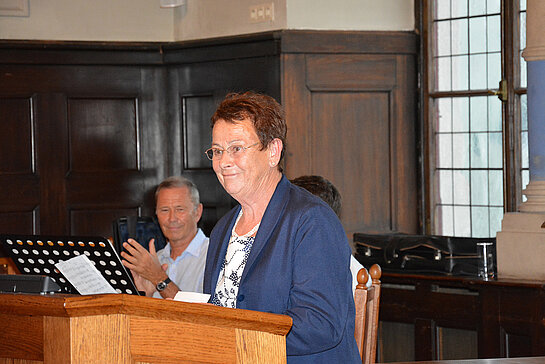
(177, 182)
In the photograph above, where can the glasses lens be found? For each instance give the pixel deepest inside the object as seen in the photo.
(209, 153)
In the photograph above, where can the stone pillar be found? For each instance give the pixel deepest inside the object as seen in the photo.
(521, 242)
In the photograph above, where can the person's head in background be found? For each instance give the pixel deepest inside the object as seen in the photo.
(178, 209)
(321, 187)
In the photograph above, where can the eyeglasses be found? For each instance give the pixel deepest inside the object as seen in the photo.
(234, 151)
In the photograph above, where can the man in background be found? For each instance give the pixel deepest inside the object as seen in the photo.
(180, 264)
(323, 188)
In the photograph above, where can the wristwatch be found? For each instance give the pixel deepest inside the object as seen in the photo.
(162, 285)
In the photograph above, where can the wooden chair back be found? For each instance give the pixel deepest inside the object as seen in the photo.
(367, 306)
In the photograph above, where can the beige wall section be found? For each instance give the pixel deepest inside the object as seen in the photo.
(352, 15)
(200, 19)
(213, 18)
(144, 20)
(106, 20)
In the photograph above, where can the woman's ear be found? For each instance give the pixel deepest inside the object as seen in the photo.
(275, 152)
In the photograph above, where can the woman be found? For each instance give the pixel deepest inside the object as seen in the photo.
(282, 250)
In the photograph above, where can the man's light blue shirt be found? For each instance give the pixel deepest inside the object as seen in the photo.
(187, 270)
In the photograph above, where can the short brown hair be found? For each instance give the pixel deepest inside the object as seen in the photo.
(263, 111)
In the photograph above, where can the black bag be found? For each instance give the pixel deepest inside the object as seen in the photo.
(140, 228)
(436, 254)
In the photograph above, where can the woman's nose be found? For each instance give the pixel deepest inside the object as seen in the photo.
(225, 160)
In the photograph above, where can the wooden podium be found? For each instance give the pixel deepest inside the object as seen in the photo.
(120, 328)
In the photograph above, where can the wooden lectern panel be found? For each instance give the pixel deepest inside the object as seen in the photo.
(131, 329)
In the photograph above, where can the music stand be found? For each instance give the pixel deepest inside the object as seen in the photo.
(38, 254)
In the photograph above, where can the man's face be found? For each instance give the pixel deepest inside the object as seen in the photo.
(176, 214)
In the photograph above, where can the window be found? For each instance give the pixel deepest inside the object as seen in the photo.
(476, 159)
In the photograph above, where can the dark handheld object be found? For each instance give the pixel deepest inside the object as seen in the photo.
(140, 228)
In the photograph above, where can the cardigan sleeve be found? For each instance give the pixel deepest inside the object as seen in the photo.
(320, 297)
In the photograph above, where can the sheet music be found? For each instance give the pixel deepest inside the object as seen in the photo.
(84, 276)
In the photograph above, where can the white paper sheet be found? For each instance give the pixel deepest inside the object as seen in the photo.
(192, 297)
(84, 276)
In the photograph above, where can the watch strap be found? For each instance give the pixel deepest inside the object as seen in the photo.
(163, 284)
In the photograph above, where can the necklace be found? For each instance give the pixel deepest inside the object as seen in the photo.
(249, 233)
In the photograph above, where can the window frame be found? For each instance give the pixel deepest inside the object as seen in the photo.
(511, 109)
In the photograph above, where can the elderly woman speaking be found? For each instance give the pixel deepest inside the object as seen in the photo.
(282, 250)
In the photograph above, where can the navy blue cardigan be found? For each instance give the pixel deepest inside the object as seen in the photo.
(298, 266)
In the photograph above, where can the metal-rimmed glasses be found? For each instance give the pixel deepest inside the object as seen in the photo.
(234, 151)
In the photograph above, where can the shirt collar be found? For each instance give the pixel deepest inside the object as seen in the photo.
(193, 248)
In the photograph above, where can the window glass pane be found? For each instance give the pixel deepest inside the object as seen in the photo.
(479, 187)
(443, 74)
(459, 8)
(442, 39)
(494, 114)
(524, 149)
(524, 113)
(442, 9)
(479, 119)
(525, 181)
(460, 73)
(523, 73)
(461, 186)
(479, 150)
(496, 216)
(493, 6)
(479, 221)
(445, 219)
(444, 149)
(495, 144)
(460, 150)
(478, 71)
(459, 36)
(477, 37)
(495, 150)
(522, 4)
(494, 34)
(460, 114)
(494, 70)
(444, 119)
(522, 30)
(477, 7)
(495, 187)
(445, 186)
(462, 221)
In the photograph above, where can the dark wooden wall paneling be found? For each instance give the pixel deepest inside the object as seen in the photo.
(461, 318)
(87, 130)
(352, 118)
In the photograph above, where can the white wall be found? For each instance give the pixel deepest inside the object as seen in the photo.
(351, 14)
(144, 20)
(107, 20)
(214, 18)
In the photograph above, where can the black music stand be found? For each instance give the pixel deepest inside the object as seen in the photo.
(38, 254)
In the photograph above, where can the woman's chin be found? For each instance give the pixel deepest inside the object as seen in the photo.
(231, 188)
